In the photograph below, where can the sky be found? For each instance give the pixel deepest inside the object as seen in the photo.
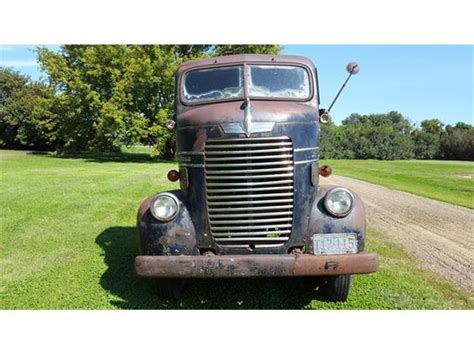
(419, 81)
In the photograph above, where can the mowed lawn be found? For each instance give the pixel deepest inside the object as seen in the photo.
(68, 240)
(448, 181)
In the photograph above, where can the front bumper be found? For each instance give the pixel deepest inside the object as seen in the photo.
(255, 265)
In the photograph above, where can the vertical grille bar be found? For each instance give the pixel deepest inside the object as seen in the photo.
(249, 190)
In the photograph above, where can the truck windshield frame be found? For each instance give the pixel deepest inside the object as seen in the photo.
(259, 86)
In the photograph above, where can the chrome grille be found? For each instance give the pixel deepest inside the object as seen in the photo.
(249, 187)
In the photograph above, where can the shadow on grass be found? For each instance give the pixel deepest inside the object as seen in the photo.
(119, 246)
(115, 158)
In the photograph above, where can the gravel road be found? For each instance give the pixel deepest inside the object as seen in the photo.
(438, 234)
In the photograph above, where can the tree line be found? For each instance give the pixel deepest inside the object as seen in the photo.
(392, 136)
(102, 98)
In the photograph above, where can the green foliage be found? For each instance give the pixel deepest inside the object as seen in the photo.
(433, 126)
(116, 94)
(375, 136)
(229, 49)
(28, 112)
(392, 137)
(458, 142)
(329, 142)
(427, 140)
(10, 81)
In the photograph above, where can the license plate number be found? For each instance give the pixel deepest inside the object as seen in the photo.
(335, 243)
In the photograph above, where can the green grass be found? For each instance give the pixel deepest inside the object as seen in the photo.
(448, 181)
(68, 240)
(142, 149)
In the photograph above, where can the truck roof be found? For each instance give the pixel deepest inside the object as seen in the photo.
(243, 58)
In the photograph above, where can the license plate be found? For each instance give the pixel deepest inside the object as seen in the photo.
(335, 243)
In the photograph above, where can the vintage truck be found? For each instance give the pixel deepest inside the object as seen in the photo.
(250, 203)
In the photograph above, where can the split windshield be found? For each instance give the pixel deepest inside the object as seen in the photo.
(264, 81)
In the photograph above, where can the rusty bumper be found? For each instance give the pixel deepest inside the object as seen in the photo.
(255, 265)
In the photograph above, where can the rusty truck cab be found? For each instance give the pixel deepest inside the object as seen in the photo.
(250, 203)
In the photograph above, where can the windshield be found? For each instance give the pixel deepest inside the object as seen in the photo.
(213, 84)
(278, 81)
(264, 81)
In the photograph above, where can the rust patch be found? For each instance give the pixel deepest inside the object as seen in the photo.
(360, 263)
(200, 142)
(145, 206)
(330, 265)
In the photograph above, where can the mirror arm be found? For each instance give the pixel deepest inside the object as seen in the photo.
(339, 92)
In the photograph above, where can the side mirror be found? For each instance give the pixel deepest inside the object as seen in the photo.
(352, 68)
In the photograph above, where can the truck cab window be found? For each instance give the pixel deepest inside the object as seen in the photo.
(278, 81)
(213, 84)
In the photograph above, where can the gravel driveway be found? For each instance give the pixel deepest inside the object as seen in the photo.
(438, 234)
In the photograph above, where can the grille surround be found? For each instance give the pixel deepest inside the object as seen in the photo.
(249, 190)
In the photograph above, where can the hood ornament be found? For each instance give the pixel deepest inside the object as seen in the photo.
(247, 127)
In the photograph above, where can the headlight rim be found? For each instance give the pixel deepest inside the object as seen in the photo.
(351, 195)
(170, 195)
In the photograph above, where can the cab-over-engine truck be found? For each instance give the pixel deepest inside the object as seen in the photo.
(250, 203)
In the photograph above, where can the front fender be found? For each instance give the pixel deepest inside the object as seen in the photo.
(176, 237)
(321, 222)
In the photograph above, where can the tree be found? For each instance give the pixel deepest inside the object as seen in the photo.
(328, 144)
(28, 117)
(458, 142)
(432, 126)
(117, 95)
(427, 139)
(375, 136)
(228, 49)
(10, 81)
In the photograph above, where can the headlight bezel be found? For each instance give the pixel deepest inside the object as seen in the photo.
(166, 195)
(331, 192)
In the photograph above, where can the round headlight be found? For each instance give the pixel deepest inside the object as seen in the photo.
(339, 202)
(164, 207)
